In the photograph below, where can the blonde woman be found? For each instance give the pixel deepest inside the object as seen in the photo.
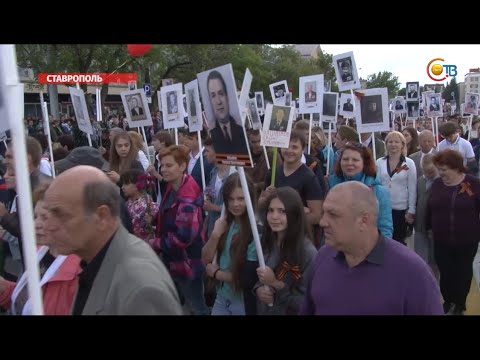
(398, 174)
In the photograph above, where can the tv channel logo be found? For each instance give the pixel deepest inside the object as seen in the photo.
(439, 72)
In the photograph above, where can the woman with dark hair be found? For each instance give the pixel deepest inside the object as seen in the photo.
(232, 244)
(288, 255)
(411, 137)
(453, 215)
(123, 157)
(179, 233)
(356, 164)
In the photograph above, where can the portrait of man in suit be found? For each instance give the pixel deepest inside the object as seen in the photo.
(228, 136)
(310, 93)
(371, 109)
(434, 106)
(398, 105)
(252, 110)
(412, 91)
(348, 106)
(345, 66)
(279, 121)
(135, 109)
(172, 103)
(471, 105)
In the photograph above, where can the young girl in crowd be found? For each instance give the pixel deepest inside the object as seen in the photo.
(140, 205)
(232, 244)
(289, 253)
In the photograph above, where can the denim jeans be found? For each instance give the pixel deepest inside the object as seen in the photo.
(193, 293)
(224, 306)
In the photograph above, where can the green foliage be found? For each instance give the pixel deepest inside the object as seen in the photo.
(384, 79)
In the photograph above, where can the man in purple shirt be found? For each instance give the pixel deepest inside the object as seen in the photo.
(358, 271)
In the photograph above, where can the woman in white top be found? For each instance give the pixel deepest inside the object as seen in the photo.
(138, 141)
(398, 174)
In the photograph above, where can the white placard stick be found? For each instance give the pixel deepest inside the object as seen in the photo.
(265, 151)
(310, 132)
(328, 147)
(146, 142)
(13, 100)
(436, 128)
(176, 136)
(470, 120)
(374, 150)
(202, 167)
(47, 128)
(251, 217)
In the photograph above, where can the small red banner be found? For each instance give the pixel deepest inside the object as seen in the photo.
(86, 78)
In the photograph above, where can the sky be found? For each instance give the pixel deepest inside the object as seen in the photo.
(409, 62)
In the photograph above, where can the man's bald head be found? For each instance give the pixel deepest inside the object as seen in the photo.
(426, 133)
(356, 196)
(90, 186)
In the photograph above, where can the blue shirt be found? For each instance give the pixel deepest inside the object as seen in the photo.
(225, 289)
(392, 280)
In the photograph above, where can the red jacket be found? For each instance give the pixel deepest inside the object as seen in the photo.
(58, 292)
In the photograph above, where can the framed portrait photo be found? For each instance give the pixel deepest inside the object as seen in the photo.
(399, 105)
(172, 106)
(194, 109)
(277, 126)
(220, 101)
(310, 95)
(347, 106)
(330, 107)
(413, 91)
(372, 110)
(434, 105)
(471, 103)
(259, 99)
(136, 108)
(346, 71)
(81, 110)
(278, 91)
(254, 114)
(413, 110)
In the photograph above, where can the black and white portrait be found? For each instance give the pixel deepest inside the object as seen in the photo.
(288, 99)
(329, 110)
(253, 113)
(413, 109)
(172, 103)
(259, 99)
(371, 109)
(81, 111)
(345, 71)
(471, 103)
(310, 94)
(136, 108)
(398, 105)
(77, 105)
(434, 104)
(278, 91)
(412, 91)
(346, 105)
(220, 100)
(194, 110)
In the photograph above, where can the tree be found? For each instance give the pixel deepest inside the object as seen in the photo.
(384, 79)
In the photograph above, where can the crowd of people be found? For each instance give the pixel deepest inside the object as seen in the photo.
(126, 226)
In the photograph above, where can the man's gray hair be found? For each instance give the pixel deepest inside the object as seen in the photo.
(98, 193)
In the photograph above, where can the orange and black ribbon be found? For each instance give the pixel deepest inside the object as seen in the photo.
(466, 187)
(285, 267)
